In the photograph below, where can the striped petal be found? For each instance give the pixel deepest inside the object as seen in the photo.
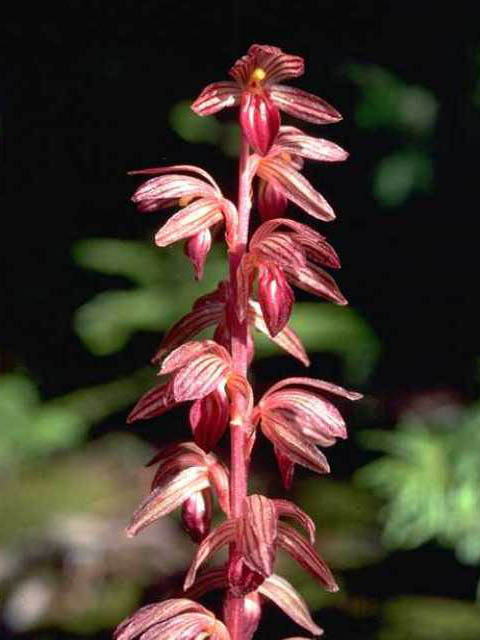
(290, 510)
(191, 220)
(190, 350)
(281, 592)
(154, 403)
(295, 187)
(304, 553)
(200, 318)
(168, 497)
(276, 64)
(322, 385)
(200, 377)
(317, 281)
(172, 187)
(215, 97)
(190, 626)
(258, 534)
(222, 535)
(187, 168)
(287, 339)
(303, 105)
(283, 249)
(294, 141)
(286, 467)
(153, 614)
(292, 444)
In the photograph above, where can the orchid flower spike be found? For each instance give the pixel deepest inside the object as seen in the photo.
(211, 374)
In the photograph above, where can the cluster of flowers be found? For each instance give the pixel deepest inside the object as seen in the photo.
(295, 414)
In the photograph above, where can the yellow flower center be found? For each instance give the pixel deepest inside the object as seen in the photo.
(258, 75)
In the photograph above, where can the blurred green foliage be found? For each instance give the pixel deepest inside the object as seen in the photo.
(408, 113)
(429, 480)
(422, 618)
(193, 128)
(31, 428)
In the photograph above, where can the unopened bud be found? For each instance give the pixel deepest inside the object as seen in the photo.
(197, 515)
(275, 296)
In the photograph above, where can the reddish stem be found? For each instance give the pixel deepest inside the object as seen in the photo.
(239, 334)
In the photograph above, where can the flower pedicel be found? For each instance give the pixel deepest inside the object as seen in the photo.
(295, 414)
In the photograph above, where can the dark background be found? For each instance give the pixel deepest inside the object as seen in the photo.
(85, 97)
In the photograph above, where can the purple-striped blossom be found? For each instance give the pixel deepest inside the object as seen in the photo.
(185, 477)
(259, 91)
(201, 203)
(279, 177)
(280, 256)
(295, 416)
(258, 534)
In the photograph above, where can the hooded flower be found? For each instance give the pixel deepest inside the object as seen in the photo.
(202, 206)
(279, 177)
(295, 416)
(258, 534)
(185, 477)
(281, 256)
(257, 89)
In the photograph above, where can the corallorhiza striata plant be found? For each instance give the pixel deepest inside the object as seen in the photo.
(295, 414)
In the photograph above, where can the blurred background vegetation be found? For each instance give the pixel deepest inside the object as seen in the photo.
(99, 90)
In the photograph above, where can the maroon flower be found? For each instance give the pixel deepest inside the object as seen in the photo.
(202, 206)
(278, 256)
(295, 416)
(259, 95)
(258, 534)
(278, 182)
(185, 477)
(280, 179)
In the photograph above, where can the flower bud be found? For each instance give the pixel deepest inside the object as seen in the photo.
(196, 249)
(271, 202)
(197, 515)
(260, 120)
(209, 418)
(275, 296)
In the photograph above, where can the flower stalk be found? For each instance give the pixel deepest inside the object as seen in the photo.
(296, 414)
(239, 346)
